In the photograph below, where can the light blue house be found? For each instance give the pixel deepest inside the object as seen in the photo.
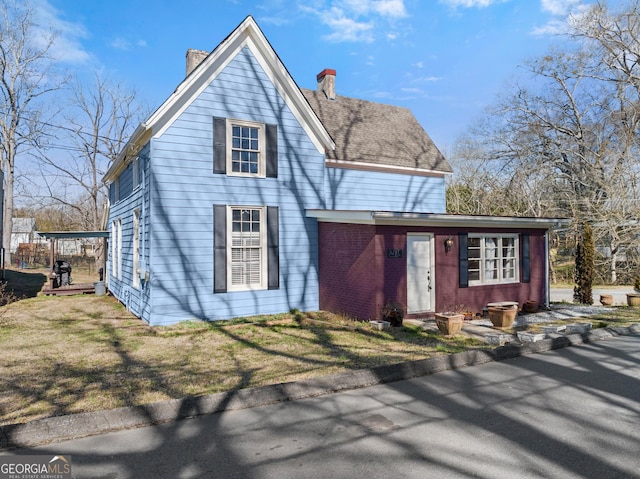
(216, 198)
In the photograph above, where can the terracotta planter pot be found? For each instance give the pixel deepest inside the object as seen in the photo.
(530, 306)
(502, 317)
(449, 324)
(606, 299)
(633, 299)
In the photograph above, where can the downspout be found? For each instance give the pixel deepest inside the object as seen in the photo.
(547, 291)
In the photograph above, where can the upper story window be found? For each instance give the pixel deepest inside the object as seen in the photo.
(136, 172)
(493, 259)
(245, 148)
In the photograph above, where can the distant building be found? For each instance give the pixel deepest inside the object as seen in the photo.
(24, 231)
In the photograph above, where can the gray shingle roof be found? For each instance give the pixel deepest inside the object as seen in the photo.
(382, 135)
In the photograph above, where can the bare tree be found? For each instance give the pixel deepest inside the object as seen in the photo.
(567, 143)
(100, 119)
(25, 77)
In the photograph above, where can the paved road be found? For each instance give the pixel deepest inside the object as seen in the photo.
(567, 413)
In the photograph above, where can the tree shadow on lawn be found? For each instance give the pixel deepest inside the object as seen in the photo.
(24, 284)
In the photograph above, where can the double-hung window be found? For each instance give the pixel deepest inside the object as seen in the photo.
(247, 247)
(492, 259)
(245, 148)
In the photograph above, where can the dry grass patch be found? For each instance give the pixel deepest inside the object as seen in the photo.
(72, 354)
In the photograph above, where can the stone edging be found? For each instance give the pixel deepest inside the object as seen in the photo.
(73, 426)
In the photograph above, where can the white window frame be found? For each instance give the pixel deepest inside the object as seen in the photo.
(262, 283)
(261, 147)
(135, 165)
(485, 249)
(114, 248)
(119, 249)
(136, 248)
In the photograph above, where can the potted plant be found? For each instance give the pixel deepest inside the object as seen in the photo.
(502, 316)
(606, 299)
(530, 306)
(449, 322)
(633, 299)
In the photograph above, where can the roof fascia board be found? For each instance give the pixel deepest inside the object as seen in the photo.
(342, 216)
(196, 83)
(72, 234)
(138, 139)
(364, 166)
(290, 92)
(434, 220)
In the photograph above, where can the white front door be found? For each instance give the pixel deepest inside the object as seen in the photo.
(420, 273)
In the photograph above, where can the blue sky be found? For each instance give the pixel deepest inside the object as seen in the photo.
(444, 59)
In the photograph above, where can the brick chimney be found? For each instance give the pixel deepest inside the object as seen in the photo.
(194, 58)
(327, 83)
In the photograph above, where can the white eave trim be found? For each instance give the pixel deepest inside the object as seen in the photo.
(363, 165)
(131, 149)
(434, 219)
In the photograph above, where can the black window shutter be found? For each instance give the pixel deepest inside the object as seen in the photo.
(526, 259)
(273, 248)
(271, 139)
(219, 248)
(219, 145)
(463, 256)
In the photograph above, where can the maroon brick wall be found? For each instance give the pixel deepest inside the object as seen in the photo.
(349, 282)
(357, 276)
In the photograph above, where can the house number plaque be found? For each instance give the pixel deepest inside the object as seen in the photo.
(394, 253)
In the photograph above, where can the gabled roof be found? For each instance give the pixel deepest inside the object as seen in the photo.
(353, 133)
(247, 34)
(375, 135)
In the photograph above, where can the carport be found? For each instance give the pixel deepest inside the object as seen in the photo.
(53, 237)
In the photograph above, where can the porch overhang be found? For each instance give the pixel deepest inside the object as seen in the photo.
(436, 220)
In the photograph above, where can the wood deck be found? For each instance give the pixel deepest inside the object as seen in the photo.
(80, 288)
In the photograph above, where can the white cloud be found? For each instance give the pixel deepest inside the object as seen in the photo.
(358, 20)
(390, 8)
(552, 27)
(120, 43)
(67, 46)
(347, 29)
(411, 90)
(470, 3)
(558, 7)
(564, 12)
